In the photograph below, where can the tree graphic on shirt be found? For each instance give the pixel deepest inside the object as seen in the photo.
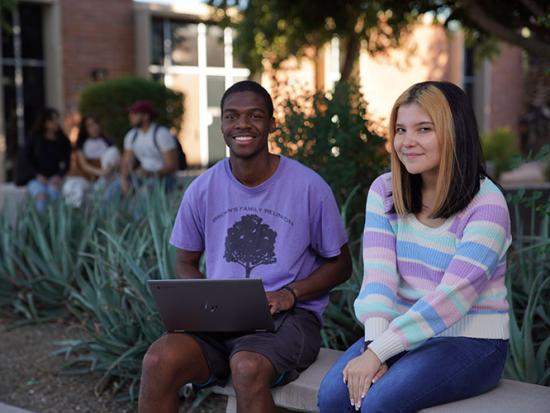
(250, 243)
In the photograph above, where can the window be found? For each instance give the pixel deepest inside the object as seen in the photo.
(468, 81)
(22, 75)
(184, 43)
(214, 46)
(195, 58)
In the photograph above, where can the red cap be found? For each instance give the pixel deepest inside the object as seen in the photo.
(142, 106)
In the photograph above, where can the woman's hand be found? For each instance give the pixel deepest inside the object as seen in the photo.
(359, 374)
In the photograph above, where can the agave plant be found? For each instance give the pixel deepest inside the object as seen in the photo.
(528, 281)
(340, 327)
(42, 257)
(112, 299)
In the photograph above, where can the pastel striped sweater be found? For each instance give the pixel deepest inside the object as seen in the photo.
(420, 282)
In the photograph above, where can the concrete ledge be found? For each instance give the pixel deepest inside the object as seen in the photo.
(4, 408)
(301, 395)
(11, 197)
(508, 396)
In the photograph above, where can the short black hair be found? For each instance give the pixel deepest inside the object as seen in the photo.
(250, 86)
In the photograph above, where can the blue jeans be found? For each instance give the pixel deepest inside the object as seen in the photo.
(35, 188)
(442, 370)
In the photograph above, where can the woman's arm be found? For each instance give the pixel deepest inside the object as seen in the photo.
(86, 166)
(374, 305)
(478, 258)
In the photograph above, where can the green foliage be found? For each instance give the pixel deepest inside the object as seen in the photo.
(528, 282)
(277, 29)
(501, 148)
(331, 134)
(341, 329)
(110, 99)
(42, 259)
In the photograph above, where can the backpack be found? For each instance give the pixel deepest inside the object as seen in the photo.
(182, 160)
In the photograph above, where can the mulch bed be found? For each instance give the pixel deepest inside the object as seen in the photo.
(32, 379)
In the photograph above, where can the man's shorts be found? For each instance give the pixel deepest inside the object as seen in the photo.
(292, 348)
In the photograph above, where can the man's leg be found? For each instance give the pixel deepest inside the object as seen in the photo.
(260, 361)
(171, 361)
(252, 375)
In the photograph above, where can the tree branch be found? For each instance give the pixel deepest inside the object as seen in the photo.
(533, 7)
(477, 15)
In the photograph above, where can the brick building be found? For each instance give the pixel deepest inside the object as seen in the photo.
(62, 45)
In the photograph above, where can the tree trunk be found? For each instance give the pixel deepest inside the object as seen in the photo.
(351, 57)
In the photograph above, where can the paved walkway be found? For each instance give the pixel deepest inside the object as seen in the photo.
(4, 408)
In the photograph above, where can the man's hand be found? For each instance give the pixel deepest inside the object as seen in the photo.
(281, 300)
(142, 173)
(359, 374)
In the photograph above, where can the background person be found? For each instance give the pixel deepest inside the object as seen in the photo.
(92, 147)
(433, 300)
(151, 145)
(48, 153)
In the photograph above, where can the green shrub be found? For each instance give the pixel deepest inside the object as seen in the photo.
(528, 282)
(330, 133)
(110, 99)
(500, 147)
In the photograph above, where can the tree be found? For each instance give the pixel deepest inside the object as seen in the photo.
(277, 29)
(250, 243)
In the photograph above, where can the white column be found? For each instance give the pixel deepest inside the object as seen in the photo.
(203, 97)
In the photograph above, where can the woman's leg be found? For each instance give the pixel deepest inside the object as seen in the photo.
(333, 392)
(39, 192)
(442, 370)
(54, 191)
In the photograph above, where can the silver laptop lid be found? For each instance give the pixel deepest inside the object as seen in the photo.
(203, 305)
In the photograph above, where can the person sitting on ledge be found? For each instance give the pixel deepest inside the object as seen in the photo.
(255, 215)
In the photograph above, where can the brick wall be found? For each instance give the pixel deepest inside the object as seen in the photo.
(95, 34)
(507, 89)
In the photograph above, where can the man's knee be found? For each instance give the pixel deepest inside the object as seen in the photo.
(165, 359)
(249, 369)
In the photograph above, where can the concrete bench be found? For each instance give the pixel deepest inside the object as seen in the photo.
(301, 394)
(11, 197)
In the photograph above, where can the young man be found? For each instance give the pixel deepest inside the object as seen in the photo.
(255, 215)
(149, 143)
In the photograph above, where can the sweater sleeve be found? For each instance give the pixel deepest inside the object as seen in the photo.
(482, 247)
(374, 305)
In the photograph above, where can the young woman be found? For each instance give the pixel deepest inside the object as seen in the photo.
(433, 300)
(91, 146)
(97, 160)
(48, 152)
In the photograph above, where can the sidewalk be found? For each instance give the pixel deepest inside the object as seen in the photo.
(4, 408)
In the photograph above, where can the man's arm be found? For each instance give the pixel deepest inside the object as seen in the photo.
(170, 158)
(187, 264)
(334, 271)
(126, 166)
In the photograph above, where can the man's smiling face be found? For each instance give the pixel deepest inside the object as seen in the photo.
(246, 124)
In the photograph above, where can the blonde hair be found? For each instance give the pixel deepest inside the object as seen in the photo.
(405, 186)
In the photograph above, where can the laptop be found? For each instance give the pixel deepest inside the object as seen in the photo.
(203, 305)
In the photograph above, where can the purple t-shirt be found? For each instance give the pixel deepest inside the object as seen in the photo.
(278, 231)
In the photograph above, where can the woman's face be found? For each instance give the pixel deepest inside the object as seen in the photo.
(52, 124)
(415, 141)
(92, 128)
